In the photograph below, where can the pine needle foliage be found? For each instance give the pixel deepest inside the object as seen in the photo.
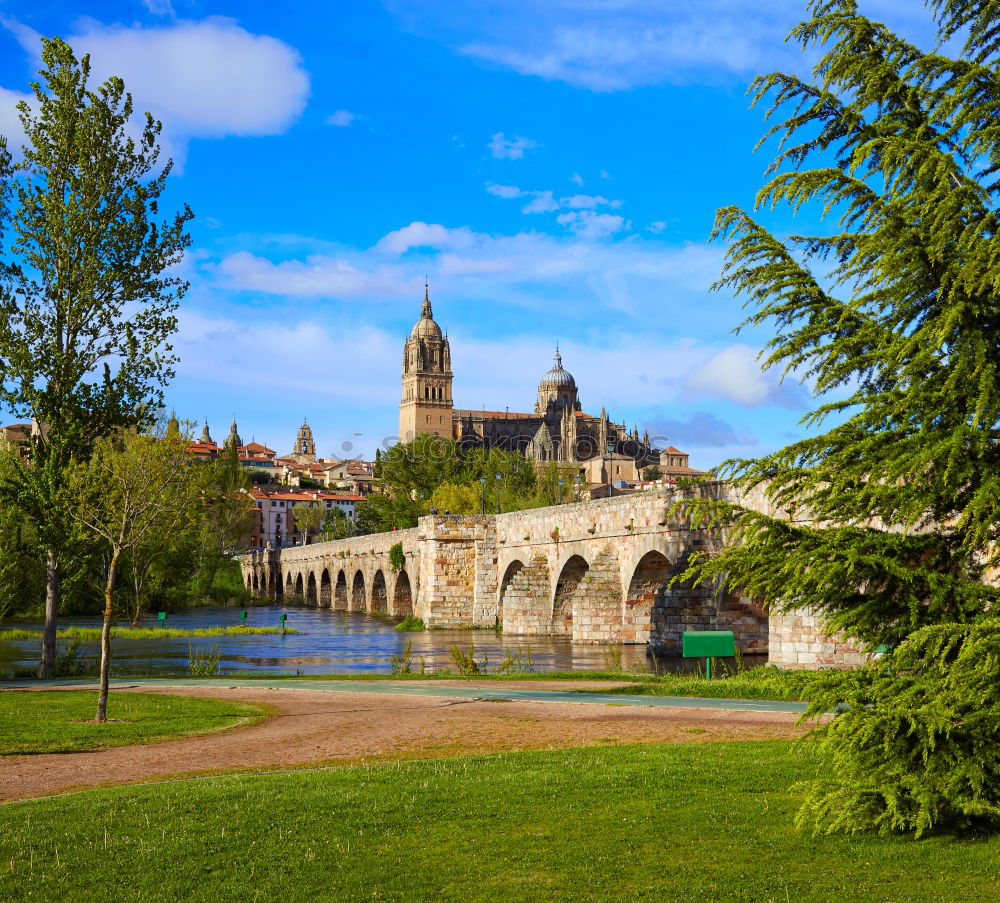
(917, 744)
(887, 515)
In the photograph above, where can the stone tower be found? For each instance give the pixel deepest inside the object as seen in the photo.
(426, 406)
(305, 447)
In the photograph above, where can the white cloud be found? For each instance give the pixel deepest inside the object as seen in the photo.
(657, 226)
(504, 149)
(736, 374)
(341, 118)
(546, 202)
(159, 7)
(592, 226)
(10, 124)
(316, 276)
(543, 202)
(207, 78)
(424, 235)
(505, 191)
(577, 178)
(588, 202)
(569, 274)
(611, 45)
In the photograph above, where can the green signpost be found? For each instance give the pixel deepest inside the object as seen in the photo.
(162, 617)
(283, 623)
(243, 615)
(708, 644)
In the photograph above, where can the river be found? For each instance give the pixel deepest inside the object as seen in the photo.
(328, 642)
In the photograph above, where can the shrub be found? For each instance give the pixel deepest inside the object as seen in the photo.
(204, 662)
(916, 743)
(465, 662)
(397, 558)
(403, 663)
(411, 624)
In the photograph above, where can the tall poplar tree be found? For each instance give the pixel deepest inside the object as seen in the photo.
(87, 297)
(892, 317)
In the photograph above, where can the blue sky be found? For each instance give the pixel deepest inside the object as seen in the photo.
(552, 167)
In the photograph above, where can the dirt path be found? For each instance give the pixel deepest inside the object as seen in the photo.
(312, 727)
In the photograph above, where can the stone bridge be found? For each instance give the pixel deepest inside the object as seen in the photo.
(597, 572)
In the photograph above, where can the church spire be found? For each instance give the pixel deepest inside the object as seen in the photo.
(425, 312)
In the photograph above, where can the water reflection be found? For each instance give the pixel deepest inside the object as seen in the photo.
(328, 642)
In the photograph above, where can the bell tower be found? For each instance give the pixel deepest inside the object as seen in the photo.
(426, 406)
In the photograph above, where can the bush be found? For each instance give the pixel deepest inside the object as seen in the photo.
(397, 558)
(411, 624)
(916, 743)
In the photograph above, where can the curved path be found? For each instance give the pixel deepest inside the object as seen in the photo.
(320, 725)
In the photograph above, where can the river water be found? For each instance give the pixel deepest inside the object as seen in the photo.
(328, 642)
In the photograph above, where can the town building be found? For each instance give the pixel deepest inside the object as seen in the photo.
(557, 430)
(274, 518)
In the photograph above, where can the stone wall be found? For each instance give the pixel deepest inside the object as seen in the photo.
(596, 571)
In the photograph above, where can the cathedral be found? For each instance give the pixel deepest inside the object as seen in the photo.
(557, 430)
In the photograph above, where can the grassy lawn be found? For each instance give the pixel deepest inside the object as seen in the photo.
(692, 822)
(51, 721)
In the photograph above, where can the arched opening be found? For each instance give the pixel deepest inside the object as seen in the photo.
(523, 600)
(299, 588)
(645, 591)
(567, 595)
(509, 575)
(380, 596)
(271, 588)
(279, 586)
(324, 589)
(288, 583)
(311, 596)
(402, 597)
(254, 587)
(358, 592)
(249, 583)
(340, 592)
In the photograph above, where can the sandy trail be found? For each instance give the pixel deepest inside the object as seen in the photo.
(313, 727)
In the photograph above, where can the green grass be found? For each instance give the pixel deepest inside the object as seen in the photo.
(757, 683)
(144, 633)
(691, 822)
(58, 721)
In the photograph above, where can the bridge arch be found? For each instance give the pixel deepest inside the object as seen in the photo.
(299, 587)
(380, 595)
(255, 586)
(644, 593)
(358, 592)
(311, 596)
(324, 588)
(523, 605)
(402, 595)
(249, 583)
(567, 603)
(279, 586)
(340, 592)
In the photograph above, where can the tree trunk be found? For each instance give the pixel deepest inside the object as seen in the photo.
(102, 695)
(47, 667)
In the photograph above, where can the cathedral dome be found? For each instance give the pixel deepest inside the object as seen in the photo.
(426, 328)
(557, 377)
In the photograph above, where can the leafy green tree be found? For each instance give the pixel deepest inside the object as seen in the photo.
(892, 318)
(87, 294)
(307, 517)
(408, 474)
(338, 525)
(652, 473)
(133, 491)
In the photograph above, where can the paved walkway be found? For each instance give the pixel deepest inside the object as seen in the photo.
(513, 690)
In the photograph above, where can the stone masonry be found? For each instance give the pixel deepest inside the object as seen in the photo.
(597, 571)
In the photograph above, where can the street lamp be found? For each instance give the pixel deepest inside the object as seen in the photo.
(482, 494)
(499, 477)
(611, 468)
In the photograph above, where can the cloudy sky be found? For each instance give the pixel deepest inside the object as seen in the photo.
(551, 166)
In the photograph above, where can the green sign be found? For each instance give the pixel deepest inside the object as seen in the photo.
(708, 644)
(162, 616)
